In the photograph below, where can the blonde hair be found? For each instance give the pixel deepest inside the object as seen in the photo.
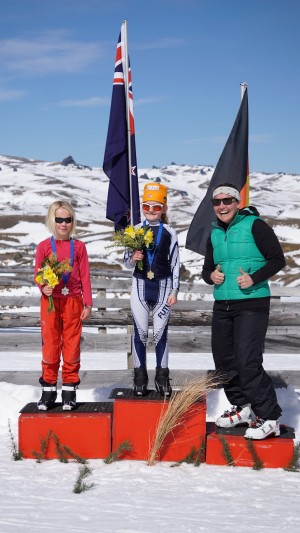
(50, 217)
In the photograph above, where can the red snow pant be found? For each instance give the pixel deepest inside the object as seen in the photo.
(61, 333)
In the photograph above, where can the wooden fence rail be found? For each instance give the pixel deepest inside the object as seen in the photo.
(110, 326)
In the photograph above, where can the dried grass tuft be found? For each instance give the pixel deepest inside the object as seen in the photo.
(180, 402)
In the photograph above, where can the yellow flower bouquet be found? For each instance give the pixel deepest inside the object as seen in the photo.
(133, 238)
(50, 273)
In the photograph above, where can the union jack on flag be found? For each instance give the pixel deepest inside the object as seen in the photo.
(118, 154)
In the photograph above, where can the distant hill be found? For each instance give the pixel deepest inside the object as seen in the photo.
(27, 187)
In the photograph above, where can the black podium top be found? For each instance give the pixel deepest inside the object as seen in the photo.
(81, 407)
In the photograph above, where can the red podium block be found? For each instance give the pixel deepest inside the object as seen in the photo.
(86, 430)
(274, 452)
(135, 419)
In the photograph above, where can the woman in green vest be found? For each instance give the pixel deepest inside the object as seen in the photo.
(242, 253)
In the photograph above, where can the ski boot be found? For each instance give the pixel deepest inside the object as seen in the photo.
(140, 381)
(68, 396)
(49, 395)
(162, 382)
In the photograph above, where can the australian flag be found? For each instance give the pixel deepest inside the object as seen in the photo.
(121, 193)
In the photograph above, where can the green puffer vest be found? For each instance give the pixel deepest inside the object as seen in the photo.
(234, 249)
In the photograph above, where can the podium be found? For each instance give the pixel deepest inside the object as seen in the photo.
(86, 430)
(273, 452)
(94, 429)
(136, 418)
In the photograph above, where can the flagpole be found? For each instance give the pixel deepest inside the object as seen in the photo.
(126, 85)
(244, 86)
(245, 197)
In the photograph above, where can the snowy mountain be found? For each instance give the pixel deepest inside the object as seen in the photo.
(27, 187)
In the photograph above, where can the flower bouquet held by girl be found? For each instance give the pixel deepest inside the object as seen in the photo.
(51, 273)
(133, 238)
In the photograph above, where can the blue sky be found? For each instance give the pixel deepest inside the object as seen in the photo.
(188, 58)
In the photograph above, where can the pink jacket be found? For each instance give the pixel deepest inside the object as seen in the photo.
(79, 282)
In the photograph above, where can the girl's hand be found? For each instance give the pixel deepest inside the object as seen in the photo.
(86, 313)
(172, 300)
(47, 290)
(137, 255)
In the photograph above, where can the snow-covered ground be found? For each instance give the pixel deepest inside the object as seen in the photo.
(132, 497)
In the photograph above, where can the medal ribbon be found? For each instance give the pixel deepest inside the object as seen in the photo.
(65, 276)
(151, 253)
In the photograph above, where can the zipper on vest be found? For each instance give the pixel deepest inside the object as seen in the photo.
(227, 305)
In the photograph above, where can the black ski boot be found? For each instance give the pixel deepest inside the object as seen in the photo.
(49, 395)
(162, 382)
(140, 381)
(68, 396)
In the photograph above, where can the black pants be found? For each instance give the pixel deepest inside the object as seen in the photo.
(237, 345)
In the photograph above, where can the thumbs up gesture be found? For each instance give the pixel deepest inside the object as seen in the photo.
(244, 280)
(217, 276)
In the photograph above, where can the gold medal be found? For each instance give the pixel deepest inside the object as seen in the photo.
(150, 274)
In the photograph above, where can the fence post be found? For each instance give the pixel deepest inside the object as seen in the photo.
(101, 293)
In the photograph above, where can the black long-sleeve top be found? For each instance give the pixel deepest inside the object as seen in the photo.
(268, 245)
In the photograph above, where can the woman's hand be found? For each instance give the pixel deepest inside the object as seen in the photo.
(217, 276)
(244, 280)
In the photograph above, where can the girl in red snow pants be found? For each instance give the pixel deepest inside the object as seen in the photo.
(61, 332)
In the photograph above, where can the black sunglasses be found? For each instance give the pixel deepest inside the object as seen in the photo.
(225, 201)
(60, 220)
